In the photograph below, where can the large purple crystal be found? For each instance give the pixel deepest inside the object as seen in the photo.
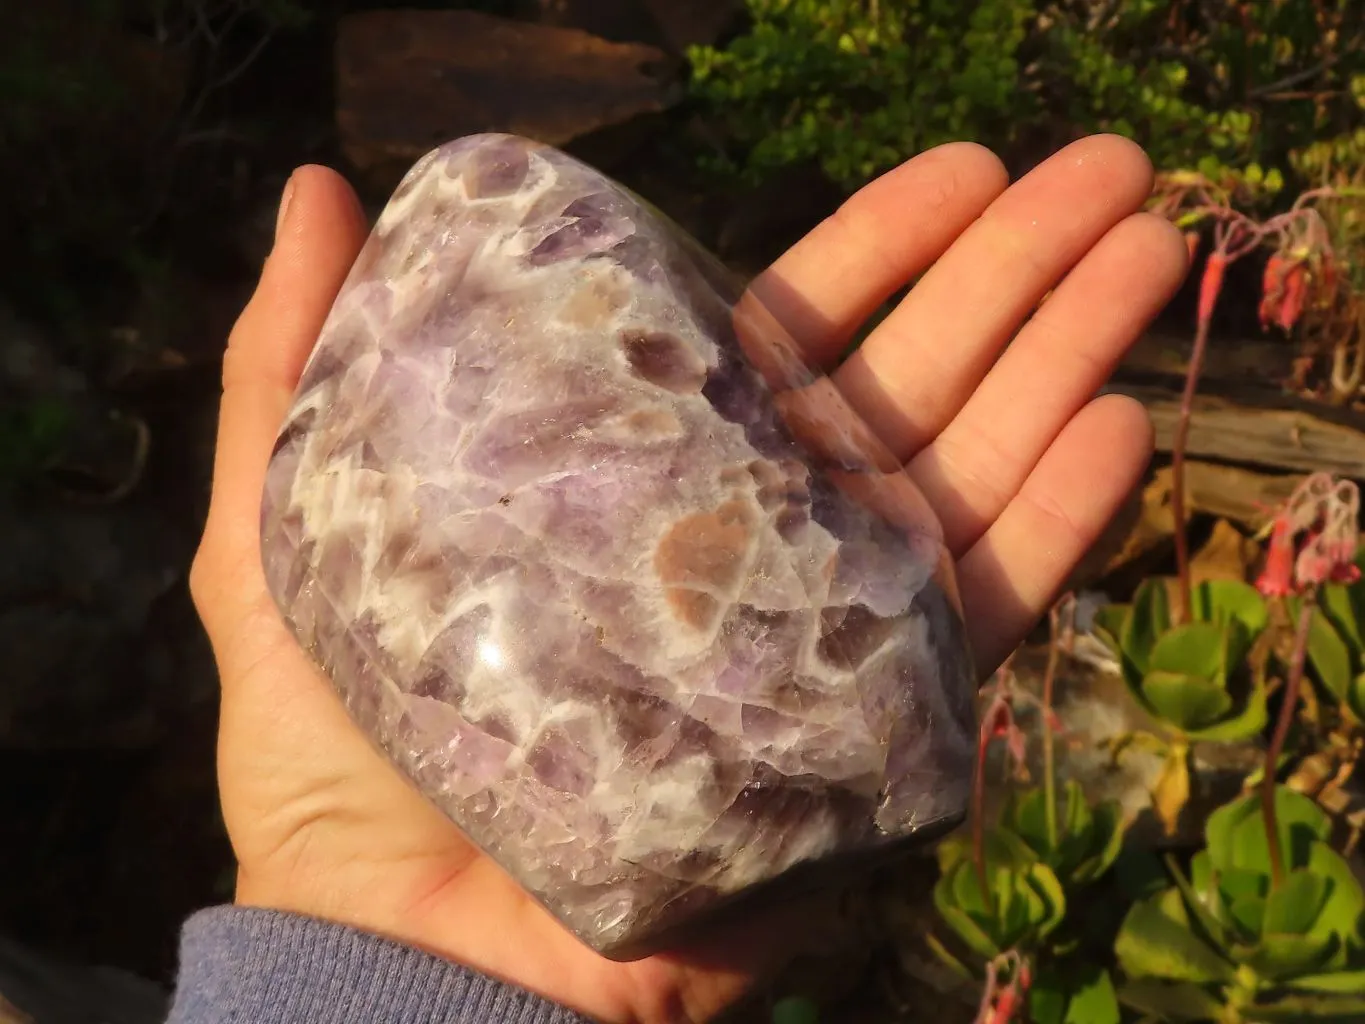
(606, 570)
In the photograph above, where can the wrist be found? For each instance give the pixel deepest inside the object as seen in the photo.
(273, 967)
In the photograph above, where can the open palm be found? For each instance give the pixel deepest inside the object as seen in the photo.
(986, 396)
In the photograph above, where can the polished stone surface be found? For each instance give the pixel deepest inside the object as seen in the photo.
(621, 585)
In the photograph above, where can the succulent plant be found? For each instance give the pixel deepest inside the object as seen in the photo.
(1230, 944)
(1087, 839)
(1025, 902)
(1032, 867)
(1193, 678)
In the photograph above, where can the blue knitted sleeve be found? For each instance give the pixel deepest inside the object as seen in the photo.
(266, 967)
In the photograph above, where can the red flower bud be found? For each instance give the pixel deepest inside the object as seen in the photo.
(1277, 578)
(999, 718)
(1005, 1006)
(1211, 284)
(1295, 294)
(1284, 291)
(1192, 243)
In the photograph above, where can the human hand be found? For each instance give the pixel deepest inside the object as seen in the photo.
(1022, 466)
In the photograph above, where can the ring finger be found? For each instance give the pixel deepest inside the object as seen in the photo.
(919, 367)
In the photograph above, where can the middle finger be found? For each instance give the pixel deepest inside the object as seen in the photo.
(918, 368)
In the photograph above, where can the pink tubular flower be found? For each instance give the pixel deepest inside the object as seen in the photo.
(1314, 538)
(1284, 291)
(1000, 1004)
(1000, 724)
(1192, 244)
(1211, 284)
(1277, 578)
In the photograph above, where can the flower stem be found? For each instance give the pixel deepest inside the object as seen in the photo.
(1281, 733)
(1209, 289)
(979, 815)
(1054, 656)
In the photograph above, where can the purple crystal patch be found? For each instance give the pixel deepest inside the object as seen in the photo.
(618, 582)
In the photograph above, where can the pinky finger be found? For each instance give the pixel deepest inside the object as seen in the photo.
(1013, 573)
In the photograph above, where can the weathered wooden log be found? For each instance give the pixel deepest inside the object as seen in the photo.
(1227, 430)
(1262, 361)
(1242, 496)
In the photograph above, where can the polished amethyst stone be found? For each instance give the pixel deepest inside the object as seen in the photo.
(618, 582)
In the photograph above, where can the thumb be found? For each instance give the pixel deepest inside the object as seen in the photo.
(319, 234)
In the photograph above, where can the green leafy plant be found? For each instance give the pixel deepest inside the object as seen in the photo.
(1080, 847)
(1029, 874)
(1193, 678)
(1232, 942)
(857, 87)
(1020, 905)
(1229, 87)
(1185, 674)
(1270, 923)
(1003, 890)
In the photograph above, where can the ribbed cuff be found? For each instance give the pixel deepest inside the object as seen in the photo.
(269, 967)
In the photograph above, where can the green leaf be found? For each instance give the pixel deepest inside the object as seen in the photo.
(1292, 908)
(1026, 814)
(967, 889)
(1166, 1001)
(1155, 941)
(1231, 831)
(1107, 831)
(1077, 821)
(968, 930)
(1004, 846)
(1219, 828)
(1045, 884)
(1093, 1000)
(1246, 723)
(1201, 898)
(1299, 822)
(1355, 698)
(1344, 607)
(1077, 993)
(1329, 655)
(1345, 982)
(1186, 701)
(1223, 601)
(1247, 912)
(1148, 619)
(1108, 625)
(1300, 1008)
(1241, 895)
(1284, 956)
(1197, 649)
(1016, 907)
(1343, 910)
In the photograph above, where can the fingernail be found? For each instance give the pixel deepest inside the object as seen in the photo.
(285, 198)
